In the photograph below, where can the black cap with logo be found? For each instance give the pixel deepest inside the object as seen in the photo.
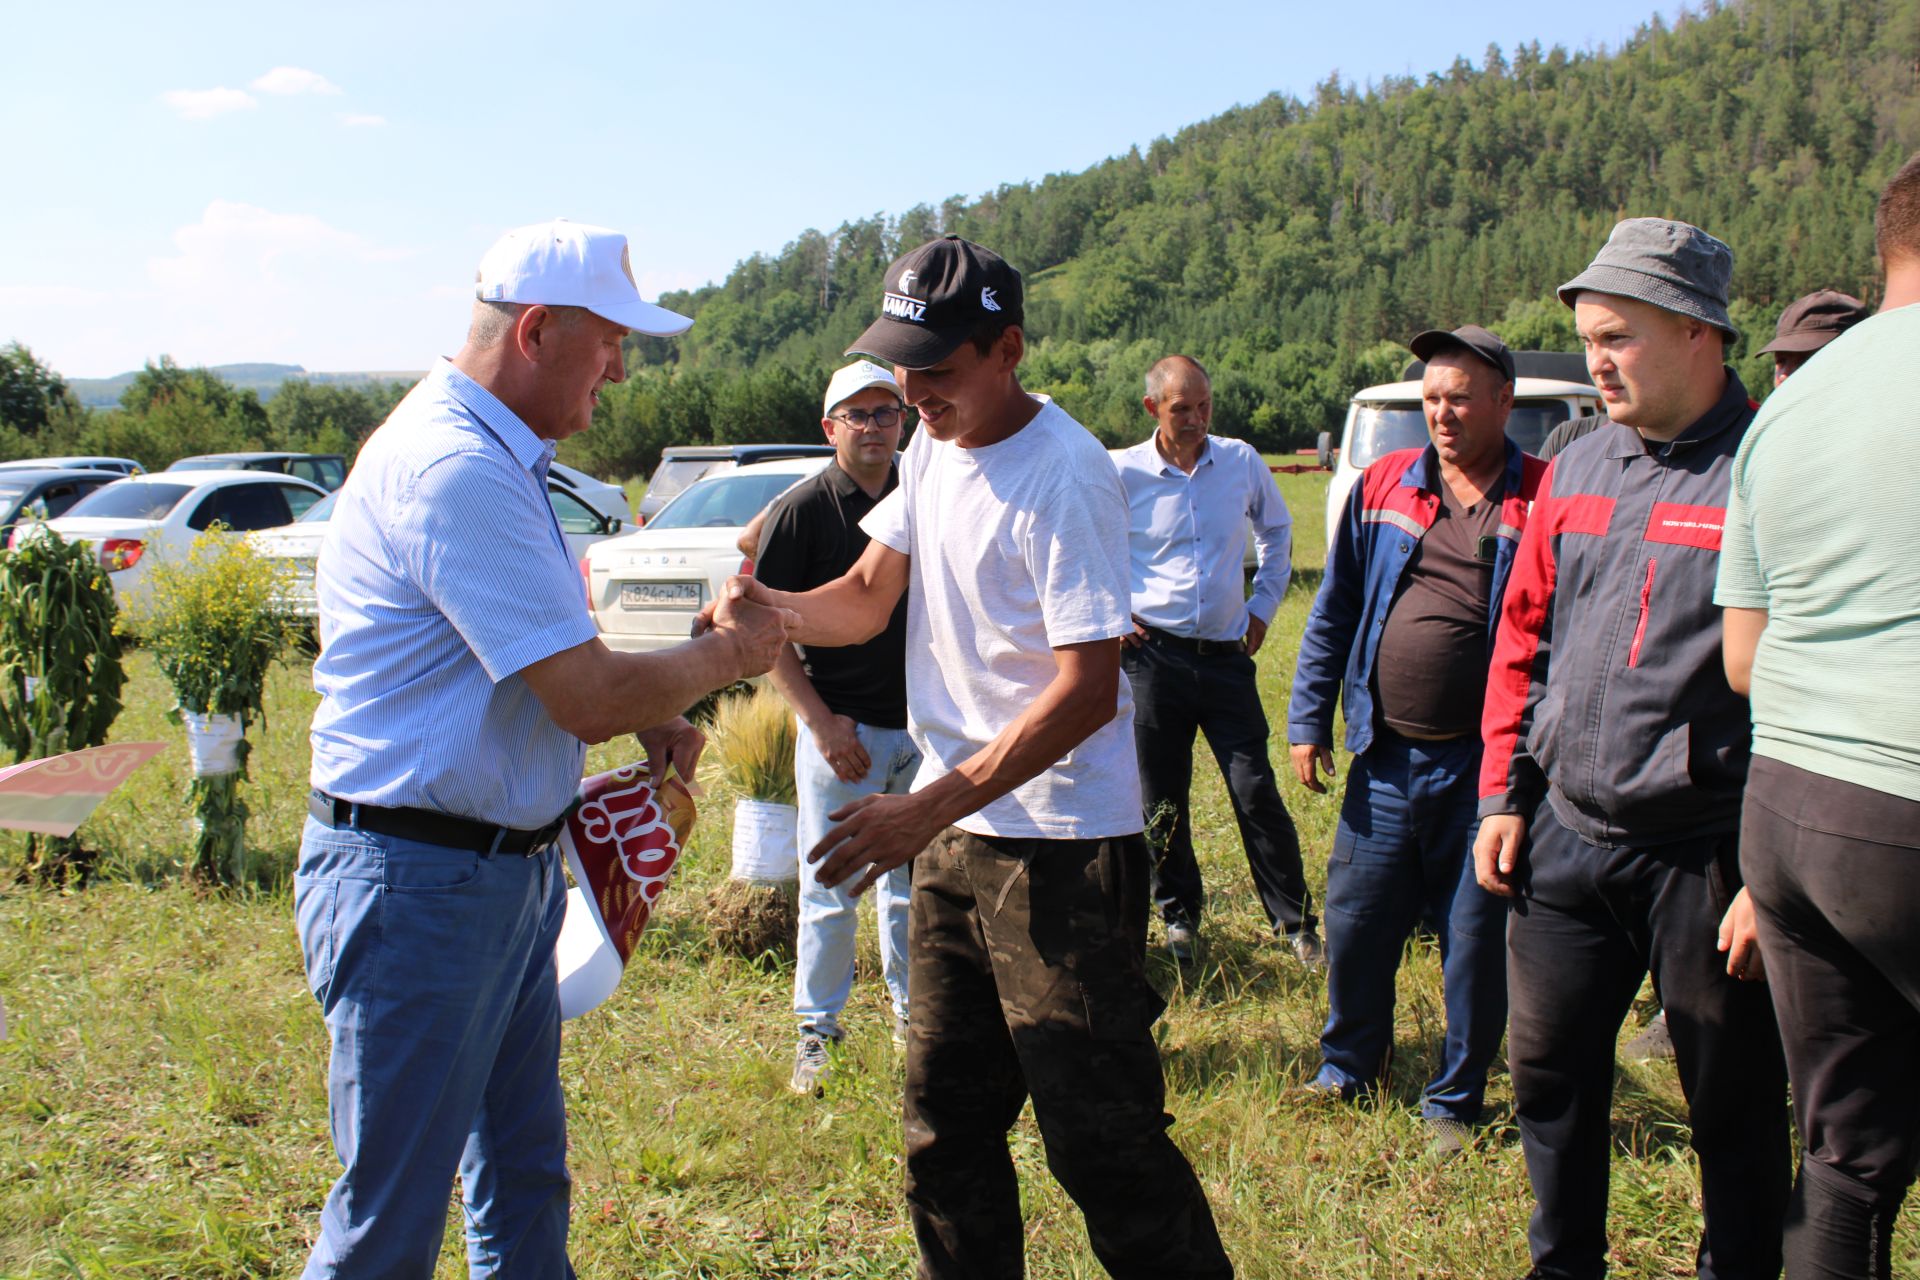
(935, 297)
(1470, 338)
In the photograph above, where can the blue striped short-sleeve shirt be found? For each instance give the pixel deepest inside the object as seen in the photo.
(442, 575)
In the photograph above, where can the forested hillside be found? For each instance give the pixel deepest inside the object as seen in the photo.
(1290, 243)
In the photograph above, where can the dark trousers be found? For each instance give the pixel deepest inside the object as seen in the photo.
(1177, 693)
(1835, 872)
(1028, 978)
(1400, 855)
(1589, 924)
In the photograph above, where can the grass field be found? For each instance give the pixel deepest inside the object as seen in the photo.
(162, 1109)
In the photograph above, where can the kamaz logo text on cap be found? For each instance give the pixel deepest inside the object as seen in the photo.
(898, 306)
(987, 300)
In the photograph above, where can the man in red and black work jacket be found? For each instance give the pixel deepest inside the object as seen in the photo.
(1615, 758)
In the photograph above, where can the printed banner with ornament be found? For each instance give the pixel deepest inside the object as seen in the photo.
(52, 797)
(621, 843)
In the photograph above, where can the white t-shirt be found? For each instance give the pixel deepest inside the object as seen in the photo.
(1017, 548)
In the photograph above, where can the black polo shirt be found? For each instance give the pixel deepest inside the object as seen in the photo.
(812, 536)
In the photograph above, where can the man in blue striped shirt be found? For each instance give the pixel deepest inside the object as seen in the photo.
(460, 679)
(1191, 497)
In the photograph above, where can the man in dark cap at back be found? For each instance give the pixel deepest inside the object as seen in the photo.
(1400, 634)
(1616, 755)
(1809, 324)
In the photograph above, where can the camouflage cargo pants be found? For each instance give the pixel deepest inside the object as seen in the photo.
(1028, 977)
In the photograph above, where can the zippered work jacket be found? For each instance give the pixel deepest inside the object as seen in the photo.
(1607, 689)
(1389, 511)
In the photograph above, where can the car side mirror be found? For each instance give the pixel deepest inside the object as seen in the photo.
(614, 524)
(1324, 450)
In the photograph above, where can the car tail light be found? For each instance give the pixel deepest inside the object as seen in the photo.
(121, 553)
(586, 583)
(746, 567)
(13, 538)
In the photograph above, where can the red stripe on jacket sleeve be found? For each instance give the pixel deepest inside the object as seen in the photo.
(1582, 513)
(1523, 617)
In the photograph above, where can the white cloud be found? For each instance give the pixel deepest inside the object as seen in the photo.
(292, 80)
(204, 104)
(243, 251)
(363, 122)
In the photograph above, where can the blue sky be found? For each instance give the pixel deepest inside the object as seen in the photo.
(313, 184)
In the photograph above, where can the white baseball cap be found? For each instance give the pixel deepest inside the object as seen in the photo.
(854, 379)
(570, 264)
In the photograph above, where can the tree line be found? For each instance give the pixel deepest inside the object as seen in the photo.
(1291, 245)
(169, 412)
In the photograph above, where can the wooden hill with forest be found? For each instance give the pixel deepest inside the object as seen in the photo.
(1293, 244)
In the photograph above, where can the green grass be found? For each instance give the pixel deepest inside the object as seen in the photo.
(163, 1114)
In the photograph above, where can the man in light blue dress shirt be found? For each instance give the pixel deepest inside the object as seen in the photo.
(460, 679)
(1190, 497)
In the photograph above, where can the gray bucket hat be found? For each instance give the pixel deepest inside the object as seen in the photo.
(1673, 265)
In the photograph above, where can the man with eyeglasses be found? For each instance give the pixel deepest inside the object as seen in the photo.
(851, 702)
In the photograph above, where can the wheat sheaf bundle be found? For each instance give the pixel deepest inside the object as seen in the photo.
(751, 741)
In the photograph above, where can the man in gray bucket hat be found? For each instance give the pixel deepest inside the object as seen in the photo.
(1615, 757)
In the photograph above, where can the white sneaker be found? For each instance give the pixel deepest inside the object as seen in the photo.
(810, 1063)
(1182, 941)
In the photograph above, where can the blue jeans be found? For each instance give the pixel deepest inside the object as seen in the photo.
(435, 969)
(829, 919)
(1400, 855)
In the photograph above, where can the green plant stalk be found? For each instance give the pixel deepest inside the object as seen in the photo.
(60, 672)
(219, 853)
(214, 627)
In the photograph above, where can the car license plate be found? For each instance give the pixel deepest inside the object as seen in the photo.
(659, 595)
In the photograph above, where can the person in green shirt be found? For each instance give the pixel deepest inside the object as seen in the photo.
(1821, 588)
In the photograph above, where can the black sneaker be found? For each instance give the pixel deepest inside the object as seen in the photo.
(1183, 941)
(1308, 949)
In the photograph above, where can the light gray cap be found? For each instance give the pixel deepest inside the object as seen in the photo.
(1673, 265)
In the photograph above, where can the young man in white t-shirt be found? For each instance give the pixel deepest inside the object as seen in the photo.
(1030, 889)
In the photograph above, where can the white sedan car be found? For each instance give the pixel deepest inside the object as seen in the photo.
(645, 586)
(296, 547)
(131, 523)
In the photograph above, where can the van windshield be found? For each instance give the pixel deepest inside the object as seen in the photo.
(1379, 429)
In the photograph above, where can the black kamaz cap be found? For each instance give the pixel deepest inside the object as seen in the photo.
(935, 296)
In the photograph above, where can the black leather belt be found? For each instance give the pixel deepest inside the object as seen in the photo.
(1205, 648)
(429, 827)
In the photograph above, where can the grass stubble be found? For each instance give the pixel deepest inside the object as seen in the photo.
(163, 1092)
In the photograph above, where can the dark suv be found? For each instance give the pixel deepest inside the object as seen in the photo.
(682, 464)
(328, 470)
